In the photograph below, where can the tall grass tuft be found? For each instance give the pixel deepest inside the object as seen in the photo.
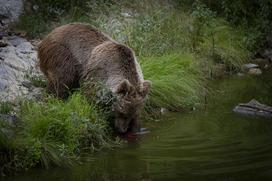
(177, 82)
(57, 132)
(224, 44)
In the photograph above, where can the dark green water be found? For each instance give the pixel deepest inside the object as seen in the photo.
(215, 144)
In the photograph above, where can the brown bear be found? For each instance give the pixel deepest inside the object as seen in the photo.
(76, 53)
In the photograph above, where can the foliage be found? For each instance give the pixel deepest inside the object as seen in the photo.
(225, 45)
(176, 82)
(57, 132)
(33, 25)
(36, 80)
(3, 136)
(254, 16)
(217, 39)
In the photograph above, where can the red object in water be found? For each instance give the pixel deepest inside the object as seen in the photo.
(132, 136)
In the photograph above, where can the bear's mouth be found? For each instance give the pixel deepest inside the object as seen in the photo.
(122, 126)
(122, 130)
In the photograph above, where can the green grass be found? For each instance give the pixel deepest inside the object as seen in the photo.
(177, 83)
(224, 44)
(6, 107)
(57, 132)
(36, 80)
(32, 24)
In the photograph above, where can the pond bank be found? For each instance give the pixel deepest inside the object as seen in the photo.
(55, 132)
(177, 49)
(214, 144)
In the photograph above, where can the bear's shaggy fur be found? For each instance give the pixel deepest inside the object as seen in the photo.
(76, 53)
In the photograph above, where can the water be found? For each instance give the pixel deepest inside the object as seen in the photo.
(215, 144)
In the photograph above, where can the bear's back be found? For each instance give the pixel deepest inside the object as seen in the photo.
(80, 39)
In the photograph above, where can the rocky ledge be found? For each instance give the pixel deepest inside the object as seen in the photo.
(18, 65)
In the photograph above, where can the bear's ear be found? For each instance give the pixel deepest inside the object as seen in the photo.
(124, 87)
(146, 87)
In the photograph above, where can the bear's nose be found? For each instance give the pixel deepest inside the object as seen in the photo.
(121, 128)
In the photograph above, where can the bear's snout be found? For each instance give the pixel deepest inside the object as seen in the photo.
(121, 125)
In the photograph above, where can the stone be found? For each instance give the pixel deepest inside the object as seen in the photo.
(142, 131)
(163, 110)
(239, 74)
(10, 10)
(1, 35)
(126, 15)
(248, 66)
(8, 124)
(254, 71)
(261, 62)
(36, 93)
(16, 40)
(254, 108)
(35, 7)
(18, 60)
(3, 44)
(9, 119)
(27, 84)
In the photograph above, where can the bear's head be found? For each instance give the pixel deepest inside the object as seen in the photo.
(130, 100)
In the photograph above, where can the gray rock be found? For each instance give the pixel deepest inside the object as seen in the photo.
(239, 74)
(3, 44)
(10, 10)
(27, 84)
(254, 71)
(254, 108)
(1, 36)
(248, 66)
(261, 62)
(36, 93)
(35, 7)
(163, 110)
(11, 120)
(142, 131)
(126, 15)
(17, 60)
(16, 40)
(8, 124)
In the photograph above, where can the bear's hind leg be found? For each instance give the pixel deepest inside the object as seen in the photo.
(60, 67)
(58, 90)
(65, 80)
